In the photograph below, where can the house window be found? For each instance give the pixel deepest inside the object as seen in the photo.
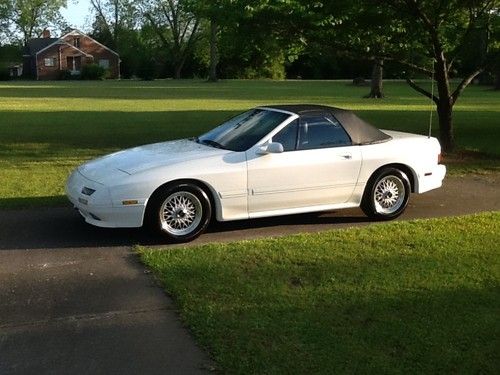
(104, 63)
(76, 42)
(50, 61)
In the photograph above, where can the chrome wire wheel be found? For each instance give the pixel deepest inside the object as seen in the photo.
(181, 213)
(389, 195)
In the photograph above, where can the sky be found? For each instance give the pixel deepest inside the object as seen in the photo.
(76, 13)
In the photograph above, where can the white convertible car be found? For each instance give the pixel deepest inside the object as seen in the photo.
(268, 161)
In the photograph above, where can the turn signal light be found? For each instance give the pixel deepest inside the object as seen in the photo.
(129, 202)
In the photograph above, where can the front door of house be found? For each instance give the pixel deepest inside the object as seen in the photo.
(74, 64)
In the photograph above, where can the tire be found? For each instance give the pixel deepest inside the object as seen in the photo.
(179, 212)
(386, 194)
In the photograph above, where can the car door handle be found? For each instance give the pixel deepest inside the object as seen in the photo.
(346, 156)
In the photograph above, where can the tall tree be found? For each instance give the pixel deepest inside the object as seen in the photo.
(426, 37)
(358, 30)
(176, 27)
(114, 17)
(221, 16)
(439, 32)
(31, 17)
(5, 12)
(266, 35)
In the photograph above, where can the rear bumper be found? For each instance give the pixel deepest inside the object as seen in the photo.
(432, 179)
(98, 209)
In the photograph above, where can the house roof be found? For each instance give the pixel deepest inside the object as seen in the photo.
(78, 32)
(36, 44)
(360, 131)
(62, 42)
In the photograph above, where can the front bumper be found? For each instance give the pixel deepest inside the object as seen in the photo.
(97, 209)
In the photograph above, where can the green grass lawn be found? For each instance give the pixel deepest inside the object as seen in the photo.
(406, 297)
(47, 128)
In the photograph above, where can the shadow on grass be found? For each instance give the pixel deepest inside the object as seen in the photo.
(33, 202)
(119, 129)
(178, 90)
(430, 331)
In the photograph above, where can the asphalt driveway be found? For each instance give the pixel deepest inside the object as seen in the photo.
(74, 299)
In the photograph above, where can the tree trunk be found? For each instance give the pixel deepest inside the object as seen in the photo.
(178, 65)
(444, 104)
(376, 90)
(214, 53)
(446, 138)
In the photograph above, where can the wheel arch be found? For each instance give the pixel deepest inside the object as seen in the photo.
(410, 173)
(207, 188)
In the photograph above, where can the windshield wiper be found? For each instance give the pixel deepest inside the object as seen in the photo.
(209, 142)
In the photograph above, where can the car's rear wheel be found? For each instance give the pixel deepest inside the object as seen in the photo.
(386, 195)
(180, 212)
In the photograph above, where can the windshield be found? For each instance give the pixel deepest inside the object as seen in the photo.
(243, 131)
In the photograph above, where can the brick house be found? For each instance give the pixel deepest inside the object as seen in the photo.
(46, 57)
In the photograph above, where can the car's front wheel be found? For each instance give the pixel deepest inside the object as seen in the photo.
(386, 195)
(179, 212)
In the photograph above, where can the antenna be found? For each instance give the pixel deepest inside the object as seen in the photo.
(432, 101)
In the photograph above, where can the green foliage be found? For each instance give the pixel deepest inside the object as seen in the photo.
(175, 28)
(4, 74)
(146, 69)
(115, 26)
(30, 17)
(388, 298)
(10, 54)
(93, 72)
(65, 75)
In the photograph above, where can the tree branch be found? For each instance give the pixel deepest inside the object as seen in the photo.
(412, 66)
(473, 18)
(462, 85)
(157, 30)
(421, 90)
(96, 4)
(431, 28)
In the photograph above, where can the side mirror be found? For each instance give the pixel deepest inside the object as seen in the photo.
(270, 148)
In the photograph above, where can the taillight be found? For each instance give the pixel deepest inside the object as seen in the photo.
(440, 158)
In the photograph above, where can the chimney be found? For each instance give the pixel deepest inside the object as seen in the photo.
(46, 33)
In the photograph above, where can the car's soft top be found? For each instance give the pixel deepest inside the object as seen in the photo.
(360, 131)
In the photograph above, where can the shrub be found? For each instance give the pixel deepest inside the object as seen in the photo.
(4, 74)
(65, 75)
(359, 81)
(146, 70)
(93, 72)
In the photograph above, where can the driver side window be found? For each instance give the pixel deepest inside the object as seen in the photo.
(288, 136)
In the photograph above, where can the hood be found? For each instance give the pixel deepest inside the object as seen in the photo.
(138, 159)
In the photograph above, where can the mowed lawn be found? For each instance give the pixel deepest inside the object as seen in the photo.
(48, 128)
(419, 297)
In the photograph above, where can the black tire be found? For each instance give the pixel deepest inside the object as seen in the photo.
(179, 212)
(386, 194)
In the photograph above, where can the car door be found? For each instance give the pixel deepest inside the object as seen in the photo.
(319, 166)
